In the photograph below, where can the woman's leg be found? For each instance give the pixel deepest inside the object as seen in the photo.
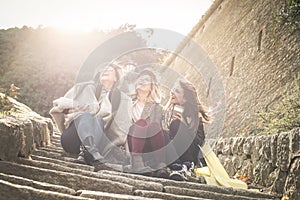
(70, 141)
(137, 139)
(157, 142)
(137, 136)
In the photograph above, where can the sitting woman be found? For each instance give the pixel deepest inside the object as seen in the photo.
(145, 135)
(183, 122)
(94, 119)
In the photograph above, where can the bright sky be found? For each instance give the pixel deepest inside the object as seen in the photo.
(86, 15)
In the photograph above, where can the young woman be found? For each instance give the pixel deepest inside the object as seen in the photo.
(96, 116)
(145, 135)
(183, 121)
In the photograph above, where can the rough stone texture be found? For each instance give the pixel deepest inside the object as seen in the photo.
(256, 63)
(271, 161)
(52, 175)
(15, 192)
(22, 131)
(70, 180)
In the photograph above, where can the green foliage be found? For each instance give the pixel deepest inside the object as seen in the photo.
(289, 15)
(6, 106)
(284, 116)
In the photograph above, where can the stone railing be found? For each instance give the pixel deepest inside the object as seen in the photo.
(22, 131)
(270, 161)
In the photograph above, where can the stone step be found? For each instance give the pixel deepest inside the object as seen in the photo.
(162, 195)
(137, 184)
(70, 180)
(15, 192)
(199, 186)
(56, 143)
(194, 189)
(36, 184)
(109, 196)
(59, 156)
(63, 163)
(53, 168)
(53, 150)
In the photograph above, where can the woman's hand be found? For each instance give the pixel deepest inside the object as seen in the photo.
(179, 117)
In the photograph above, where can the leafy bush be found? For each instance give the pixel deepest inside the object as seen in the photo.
(284, 116)
(6, 106)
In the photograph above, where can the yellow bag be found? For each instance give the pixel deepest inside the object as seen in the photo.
(217, 175)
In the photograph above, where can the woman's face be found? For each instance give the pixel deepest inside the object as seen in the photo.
(177, 95)
(108, 74)
(144, 83)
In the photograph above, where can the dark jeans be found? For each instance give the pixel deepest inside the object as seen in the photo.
(87, 126)
(184, 142)
(69, 140)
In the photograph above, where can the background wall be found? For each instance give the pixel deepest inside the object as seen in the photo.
(256, 55)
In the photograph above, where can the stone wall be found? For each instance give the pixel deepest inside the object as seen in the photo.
(256, 57)
(22, 131)
(270, 161)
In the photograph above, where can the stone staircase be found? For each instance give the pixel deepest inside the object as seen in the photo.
(51, 174)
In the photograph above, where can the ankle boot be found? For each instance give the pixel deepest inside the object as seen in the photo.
(138, 166)
(98, 160)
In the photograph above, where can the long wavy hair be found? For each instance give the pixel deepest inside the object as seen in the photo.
(154, 94)
(191, 106)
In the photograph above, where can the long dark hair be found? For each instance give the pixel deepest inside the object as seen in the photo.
(192, 105)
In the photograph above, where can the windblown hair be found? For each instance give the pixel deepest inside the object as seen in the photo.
(154, 94)
(118, 74)
(191, 106)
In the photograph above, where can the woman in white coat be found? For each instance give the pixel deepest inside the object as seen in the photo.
(95, 116)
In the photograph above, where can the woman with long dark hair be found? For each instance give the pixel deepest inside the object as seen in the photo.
(183, 121)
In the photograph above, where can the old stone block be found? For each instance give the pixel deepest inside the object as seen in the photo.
(292, 186)
(237, 162)
(228, 165)
(247, 146)
(278, 185)
(227, 146)
(273, 148)
(16, 138)
(256, 149)
(237, 145)
(266, 148)
(283, 151)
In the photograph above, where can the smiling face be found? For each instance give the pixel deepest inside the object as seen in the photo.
(143, 83)
(177, 94)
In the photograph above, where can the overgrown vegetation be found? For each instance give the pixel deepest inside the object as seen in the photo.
(6, 106)
(289, 15)
(284, 116)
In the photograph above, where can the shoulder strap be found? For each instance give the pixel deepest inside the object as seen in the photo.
(115, 99)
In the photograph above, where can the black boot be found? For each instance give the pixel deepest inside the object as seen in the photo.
(97, 158)
(80, 159)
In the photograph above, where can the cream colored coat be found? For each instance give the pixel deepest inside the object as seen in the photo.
(83, 94)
